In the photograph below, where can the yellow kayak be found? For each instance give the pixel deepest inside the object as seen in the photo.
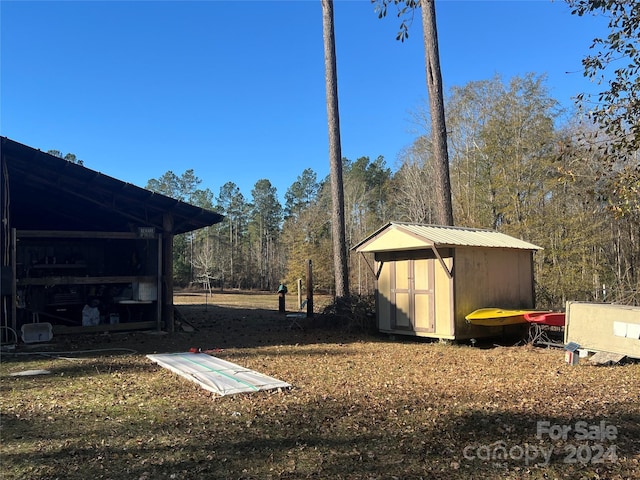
(496, 317)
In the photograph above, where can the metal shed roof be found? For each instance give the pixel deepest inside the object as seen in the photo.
(50, 193)
(412, 236)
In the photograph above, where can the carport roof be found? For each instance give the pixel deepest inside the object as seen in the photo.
(411, 236)
(49, 193)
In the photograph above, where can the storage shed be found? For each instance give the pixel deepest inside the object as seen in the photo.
(78, 242)
(429, 277)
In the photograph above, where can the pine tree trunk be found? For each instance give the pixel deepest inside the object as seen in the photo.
(335, 154)
(442, 182)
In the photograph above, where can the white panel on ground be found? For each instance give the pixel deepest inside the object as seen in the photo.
(216, 375)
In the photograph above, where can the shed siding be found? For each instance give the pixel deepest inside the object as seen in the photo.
(443, 299)
(383, 298)
(393, 240)
(492, 277)
(424, 299)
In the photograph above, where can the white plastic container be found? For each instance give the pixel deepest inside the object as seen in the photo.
(145, 291)
(36, 332)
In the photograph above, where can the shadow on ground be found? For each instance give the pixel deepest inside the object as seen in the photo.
(207, 328)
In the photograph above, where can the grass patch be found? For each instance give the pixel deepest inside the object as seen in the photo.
(362, 407)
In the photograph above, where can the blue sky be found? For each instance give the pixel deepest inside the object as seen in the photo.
(235, 89)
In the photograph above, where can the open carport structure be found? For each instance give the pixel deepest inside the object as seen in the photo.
(75, 239)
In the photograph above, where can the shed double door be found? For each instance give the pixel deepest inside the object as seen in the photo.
(412, 295)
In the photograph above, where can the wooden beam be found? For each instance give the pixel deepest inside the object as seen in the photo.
(14, 285)
(160, 302)
(167, 271)
(379, 271)
(62, 280)
(369, 265)
(444, 265)
(76, 234)
(117, 327)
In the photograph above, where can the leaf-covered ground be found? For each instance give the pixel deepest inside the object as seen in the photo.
(362, 407)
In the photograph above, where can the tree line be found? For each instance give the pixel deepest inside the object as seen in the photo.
(515, 166)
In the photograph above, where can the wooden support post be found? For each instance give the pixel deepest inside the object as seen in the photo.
(159, 283)
(167, 272)
(309, 289)
(14, 285)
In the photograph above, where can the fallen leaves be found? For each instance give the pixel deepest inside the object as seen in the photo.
(360, 408)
